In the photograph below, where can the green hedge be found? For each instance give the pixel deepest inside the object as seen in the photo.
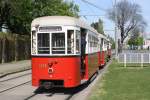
(14, 47)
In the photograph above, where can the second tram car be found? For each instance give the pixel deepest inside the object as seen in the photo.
(65, 51)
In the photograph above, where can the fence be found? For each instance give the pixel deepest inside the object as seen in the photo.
(14, 47)
(140, 58)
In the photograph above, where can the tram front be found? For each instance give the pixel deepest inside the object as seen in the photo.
(55, 56)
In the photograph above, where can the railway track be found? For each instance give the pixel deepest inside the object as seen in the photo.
(15, 77)
(7, 89)
(10, 82)
(50, 96)
(62, 94)
(59, 93)
(29, 97)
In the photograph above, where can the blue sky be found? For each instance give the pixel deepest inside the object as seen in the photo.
(86, 9)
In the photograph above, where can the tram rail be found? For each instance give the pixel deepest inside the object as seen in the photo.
(14, 86)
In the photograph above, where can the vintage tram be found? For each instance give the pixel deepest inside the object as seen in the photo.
(65, 51)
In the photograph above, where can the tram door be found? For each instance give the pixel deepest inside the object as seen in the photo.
(83, 50)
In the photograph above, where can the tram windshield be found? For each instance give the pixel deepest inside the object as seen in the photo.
(43, 43)
(58, 43)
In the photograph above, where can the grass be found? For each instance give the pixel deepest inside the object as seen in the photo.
(121, 83)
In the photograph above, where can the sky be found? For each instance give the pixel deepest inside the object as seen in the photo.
(87, 9)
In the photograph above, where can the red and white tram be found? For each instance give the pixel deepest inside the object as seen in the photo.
(65, 51)
(103, 50)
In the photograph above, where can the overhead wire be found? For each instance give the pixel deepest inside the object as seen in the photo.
(94, 15)
(88, 10)
(95, 6)
(102, 9)
(82, 15)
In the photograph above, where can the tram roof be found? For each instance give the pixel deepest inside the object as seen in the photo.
(63, 20)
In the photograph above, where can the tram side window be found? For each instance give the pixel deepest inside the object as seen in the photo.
(90, 43)
(58, 43)
(101, 46)
(70, 41)
(77, 42)
(43, 43)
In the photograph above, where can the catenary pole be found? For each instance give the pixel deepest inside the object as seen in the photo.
(116, 36)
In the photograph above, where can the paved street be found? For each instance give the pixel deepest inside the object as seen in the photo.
(18, 87)
(13, 67)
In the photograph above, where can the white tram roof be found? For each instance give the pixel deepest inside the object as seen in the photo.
(60, 20)
(63, 21)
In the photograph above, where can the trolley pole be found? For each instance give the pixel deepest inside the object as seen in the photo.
(116, 36)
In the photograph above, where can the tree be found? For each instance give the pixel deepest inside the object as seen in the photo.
(54, 7)
(22, 12)
(20, 16)
(4, 12)
(136, 39)
(127, 16)
(111, 41)
(98, 26)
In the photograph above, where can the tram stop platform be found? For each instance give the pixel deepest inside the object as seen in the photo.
(14, 67)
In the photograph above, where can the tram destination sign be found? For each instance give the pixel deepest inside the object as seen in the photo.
(50, 28)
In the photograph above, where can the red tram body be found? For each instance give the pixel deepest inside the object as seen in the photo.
(65, 51)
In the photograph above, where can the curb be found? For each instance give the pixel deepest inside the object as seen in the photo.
(100, 75)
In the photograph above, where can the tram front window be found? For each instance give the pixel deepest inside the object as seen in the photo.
(43, 43)
(58, 43)
(70, 41)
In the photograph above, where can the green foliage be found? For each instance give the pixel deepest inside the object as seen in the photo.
(18, 14)
(113, 45)
(98, 26)
(112, 41)
(138, 41)
(54, 7)
(4, 12)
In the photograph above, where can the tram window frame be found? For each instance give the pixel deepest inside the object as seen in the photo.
(70, 42)
(78, 42)
(58, 49)
(90, 43)
(40, 48)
